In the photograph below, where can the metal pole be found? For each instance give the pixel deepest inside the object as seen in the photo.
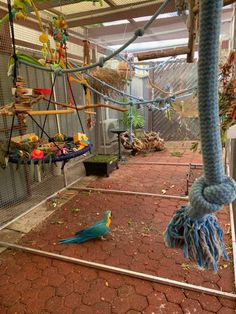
(162, 163)
(104, 135)
(119, 151)
(55, 106)
(129, 193)
(121, 271)
(234, 28)
(232, 226)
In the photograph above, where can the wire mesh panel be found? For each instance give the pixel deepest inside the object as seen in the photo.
(179, 79)
(25, 185)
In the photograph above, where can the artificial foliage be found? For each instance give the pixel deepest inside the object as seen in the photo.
(227, 95)
(133, 115)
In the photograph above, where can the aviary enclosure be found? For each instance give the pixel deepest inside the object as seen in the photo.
(61, 95)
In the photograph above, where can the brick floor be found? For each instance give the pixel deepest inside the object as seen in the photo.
(33, 284)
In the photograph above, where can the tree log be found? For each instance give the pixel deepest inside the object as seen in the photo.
(192, 32)
(163, 53)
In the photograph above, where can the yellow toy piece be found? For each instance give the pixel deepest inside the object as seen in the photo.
(43, 38)
(33, 138)
(79, 137)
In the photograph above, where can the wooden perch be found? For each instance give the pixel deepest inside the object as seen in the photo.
(47, 112)
(225, 3)
(165, 92)
(91, 106)
(192, 32)
(163, 53)
(112, 107)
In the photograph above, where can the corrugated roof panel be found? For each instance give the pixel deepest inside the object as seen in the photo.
(123, 2)
(81, 7)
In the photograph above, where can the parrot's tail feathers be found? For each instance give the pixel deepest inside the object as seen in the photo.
(69, 240)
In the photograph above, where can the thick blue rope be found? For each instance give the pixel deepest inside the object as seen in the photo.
(194, 227)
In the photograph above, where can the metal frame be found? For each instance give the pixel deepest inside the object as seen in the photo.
(162, 163)
(128, 192)
(113, 269)
(233, 231)
(121, 271)
(45, 200)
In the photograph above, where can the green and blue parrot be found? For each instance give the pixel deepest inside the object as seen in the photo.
(98, 230)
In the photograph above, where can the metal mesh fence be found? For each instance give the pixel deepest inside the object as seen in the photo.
(175, 76)
(23, 185)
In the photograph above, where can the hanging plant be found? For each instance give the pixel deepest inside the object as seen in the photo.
(227, 96)
(134, 116)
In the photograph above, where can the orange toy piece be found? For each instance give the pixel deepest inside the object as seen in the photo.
(37, 154)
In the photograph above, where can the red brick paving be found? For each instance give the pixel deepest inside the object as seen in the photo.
(33, 284)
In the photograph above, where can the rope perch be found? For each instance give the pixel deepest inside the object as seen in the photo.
(194, 227)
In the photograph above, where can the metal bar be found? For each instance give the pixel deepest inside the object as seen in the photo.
(233, 230)
(121, 271)
(55, 105)
(162, 163)
(129, 192)
(232, 227)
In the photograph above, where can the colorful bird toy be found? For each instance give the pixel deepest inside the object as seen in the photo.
(60, 35)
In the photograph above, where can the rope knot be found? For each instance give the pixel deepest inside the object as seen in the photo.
(139, 32)
(58, 72)
(206, 199)
(101, 62)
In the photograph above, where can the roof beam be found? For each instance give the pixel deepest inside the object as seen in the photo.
(117, 13)
(47, 5)
(112, 4)
(119, 29)
(162, 36)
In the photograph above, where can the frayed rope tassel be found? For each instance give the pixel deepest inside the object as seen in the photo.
(201, 240)
(201, 237)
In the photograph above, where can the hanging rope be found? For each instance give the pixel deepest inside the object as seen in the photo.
(14, 55)
(194, 227)
(72, 94)
(14, 69)
(49, 102)
(131, 123)
(138, 33)
(138, 101)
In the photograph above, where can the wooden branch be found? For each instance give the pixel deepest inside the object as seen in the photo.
(226, 2)
(112, 107)
(163, 53)
(192, 32)
(59, 103)
(47, 112)
(91, 106)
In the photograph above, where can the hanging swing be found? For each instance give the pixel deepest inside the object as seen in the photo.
(29, 148)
